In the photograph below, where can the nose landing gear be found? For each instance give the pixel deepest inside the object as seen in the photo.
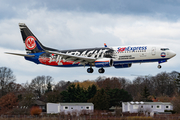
(159, 66)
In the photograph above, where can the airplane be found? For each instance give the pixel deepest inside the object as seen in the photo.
(102, 57)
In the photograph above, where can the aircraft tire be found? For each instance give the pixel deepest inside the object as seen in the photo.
(90, 70)
(159, 66)
(101, 70)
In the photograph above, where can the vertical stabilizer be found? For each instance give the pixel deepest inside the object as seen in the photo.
(32, 44)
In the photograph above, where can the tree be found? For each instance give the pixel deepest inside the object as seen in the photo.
(85, 84)
(62, 85)
(108, 83)
(6, 77)
(117, 96)
(176, 104)
(39, 84)
(74, 94)
(177, 81)
(7, 102)
(91, 91)
(27, 99)
(100, 100)
(49, 88)
(52, 96)
(145, 94)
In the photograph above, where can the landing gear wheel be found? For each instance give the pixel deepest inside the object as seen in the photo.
(90, 70)
(101, 70)
(159, 66)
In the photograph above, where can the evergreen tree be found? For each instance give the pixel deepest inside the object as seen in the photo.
(80, 94)
(117, 96)
(145, 94)
(49, 87)
(100, 100)
(74, 94)
(91, 91)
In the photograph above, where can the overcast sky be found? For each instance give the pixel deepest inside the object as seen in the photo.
(69, 24)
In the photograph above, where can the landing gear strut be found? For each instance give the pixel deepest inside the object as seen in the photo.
(101, 70)
(159, 66)
(90, 70)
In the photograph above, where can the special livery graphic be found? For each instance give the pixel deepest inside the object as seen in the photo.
(163, 54)
(102, 57)
(129, 48)
(30, 42)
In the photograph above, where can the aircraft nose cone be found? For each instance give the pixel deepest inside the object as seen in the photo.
(172, 54)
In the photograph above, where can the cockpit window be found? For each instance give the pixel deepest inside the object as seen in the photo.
(164, 49)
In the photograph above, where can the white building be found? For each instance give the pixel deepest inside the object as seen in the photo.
(69, 107)
(151, 107)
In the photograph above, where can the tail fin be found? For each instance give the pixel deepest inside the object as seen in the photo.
(32, 44)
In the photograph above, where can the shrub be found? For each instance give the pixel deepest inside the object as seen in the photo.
(35, 110)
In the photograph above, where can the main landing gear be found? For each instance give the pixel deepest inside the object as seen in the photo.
(101, 70)
(159, 66)
(90, 70)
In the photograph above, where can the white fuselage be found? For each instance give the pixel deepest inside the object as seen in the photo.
(141, 53)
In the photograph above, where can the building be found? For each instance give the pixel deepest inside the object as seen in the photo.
(69, 107)
(146, 107)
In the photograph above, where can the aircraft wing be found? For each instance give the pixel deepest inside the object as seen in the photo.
(75, 58)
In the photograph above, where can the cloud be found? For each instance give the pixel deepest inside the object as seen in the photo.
(160, 9)
(76, 25)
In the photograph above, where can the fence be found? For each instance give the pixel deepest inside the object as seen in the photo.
(87, 117)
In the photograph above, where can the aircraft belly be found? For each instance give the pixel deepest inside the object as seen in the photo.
(139, 60)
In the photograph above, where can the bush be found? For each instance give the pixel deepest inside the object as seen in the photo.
(35, 110)
(172, 111)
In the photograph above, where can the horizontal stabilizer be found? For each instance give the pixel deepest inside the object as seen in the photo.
(20, 54)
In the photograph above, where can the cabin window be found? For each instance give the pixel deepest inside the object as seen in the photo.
(152, 106)
(87, 107)
(167, 107)
(65, 107)
(141, 106)
(71, 107)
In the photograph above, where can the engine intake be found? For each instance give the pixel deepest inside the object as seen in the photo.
(104, 62)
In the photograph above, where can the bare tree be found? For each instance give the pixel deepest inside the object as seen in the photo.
(6, 77)
(108, 83)
(39, 84)
(62, 85)
(176, 104)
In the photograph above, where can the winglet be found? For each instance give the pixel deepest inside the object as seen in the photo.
(105, 45)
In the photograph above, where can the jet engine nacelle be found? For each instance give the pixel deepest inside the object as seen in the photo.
(123, 65)
(104, 62)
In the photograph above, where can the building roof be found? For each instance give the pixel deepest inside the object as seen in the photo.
(114, 108)
(38, 102)
(148, 103)
(76, 104)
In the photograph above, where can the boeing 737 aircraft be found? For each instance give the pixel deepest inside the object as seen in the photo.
(118, 57)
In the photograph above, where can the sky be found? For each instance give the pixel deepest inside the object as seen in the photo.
(71, 24)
